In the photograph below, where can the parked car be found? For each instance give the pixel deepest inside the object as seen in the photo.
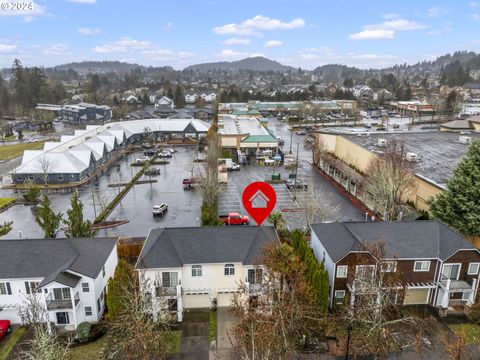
(172, 150)
(165, 154)
(295, 184)
(159, 209)
(142, 159)
(5, 328)
(301, 132)
(152, 171)
(147, 145)
(234, 218)
(235, 166)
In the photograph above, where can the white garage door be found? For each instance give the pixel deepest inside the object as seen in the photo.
(10, 314)
(224, 299)
(416, 296)
(196, 301)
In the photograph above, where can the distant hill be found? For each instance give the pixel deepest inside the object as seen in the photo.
(257, 63)
(86, 67)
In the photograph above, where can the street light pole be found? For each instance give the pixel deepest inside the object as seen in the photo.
(291, 139)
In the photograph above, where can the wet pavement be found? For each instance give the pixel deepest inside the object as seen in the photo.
(183, 205)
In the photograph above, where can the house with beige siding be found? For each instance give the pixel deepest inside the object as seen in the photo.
(202, 267)
(434, 265)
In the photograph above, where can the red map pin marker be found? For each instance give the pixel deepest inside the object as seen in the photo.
(259, 199)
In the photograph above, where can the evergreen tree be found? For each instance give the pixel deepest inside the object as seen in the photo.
(124, 275)
(459, 205)
(77, 227)
(179, 97)
(47, 219)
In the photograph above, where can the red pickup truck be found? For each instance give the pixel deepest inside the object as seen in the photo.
(234, 218)
(5, 328)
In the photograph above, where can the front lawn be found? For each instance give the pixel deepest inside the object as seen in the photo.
(4, 202)
(12, 151)
(88, 351)
(213, 326)
(10, 340)
(175, 340)
(470, 331)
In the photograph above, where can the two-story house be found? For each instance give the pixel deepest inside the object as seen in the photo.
(200, 267)
(436, 265)
(68, 276)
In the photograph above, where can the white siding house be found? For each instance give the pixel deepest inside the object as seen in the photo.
(203, 267)
(69, 277)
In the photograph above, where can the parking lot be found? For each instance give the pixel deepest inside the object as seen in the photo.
(184, 205)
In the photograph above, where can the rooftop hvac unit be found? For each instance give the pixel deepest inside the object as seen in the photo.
(465, 139)
(382, 142)
(410, 156)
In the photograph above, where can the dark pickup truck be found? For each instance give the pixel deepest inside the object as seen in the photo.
(234, 218)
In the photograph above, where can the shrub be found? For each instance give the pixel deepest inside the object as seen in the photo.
(209, 216)
(83, 331)
(32, 195)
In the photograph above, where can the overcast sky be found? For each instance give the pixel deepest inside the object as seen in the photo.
(305, 33)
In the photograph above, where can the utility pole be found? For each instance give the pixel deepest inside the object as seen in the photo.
(291, 139)
(296, 165)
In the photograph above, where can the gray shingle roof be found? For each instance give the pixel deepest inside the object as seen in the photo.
(49, 258)
(405, 239)
(174, 247)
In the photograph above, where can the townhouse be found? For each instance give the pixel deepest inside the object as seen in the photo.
(68, 276)
(202, 267)
(435, 265)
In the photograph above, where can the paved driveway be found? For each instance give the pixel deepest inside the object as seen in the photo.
(195, 344)
(225, 321)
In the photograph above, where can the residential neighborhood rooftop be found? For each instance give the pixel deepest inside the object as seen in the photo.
(403, 239)
(174, 247)
(53, 258)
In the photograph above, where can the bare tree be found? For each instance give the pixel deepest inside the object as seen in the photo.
(45, 166)
(373, 308)
(45, 346)
(32, 311)
(209, 184)
(314, 204)
(390, 180)
(278, 311)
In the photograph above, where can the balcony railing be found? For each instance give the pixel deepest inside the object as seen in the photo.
(57, 304)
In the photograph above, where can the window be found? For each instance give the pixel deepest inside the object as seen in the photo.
(339, 296)
(85, 287)
(72, 176)
(389, 266)
(364, 272)
(61, 293)
(103, 271)
(169, 279)
(196, 270)
(229, 269)
(101, 295)
(342, 271)
(98, 305)
(421, 266)
(30, 177)
(466, 295)
(255, 276)
(88, 311)
(5, 289)
(473, 268)
(450, 271)
(31, 287)
(60, 176)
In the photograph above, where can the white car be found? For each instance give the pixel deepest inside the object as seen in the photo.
(142, 159)
(159, 209)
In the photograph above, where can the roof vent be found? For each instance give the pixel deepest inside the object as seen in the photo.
(465, 139)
